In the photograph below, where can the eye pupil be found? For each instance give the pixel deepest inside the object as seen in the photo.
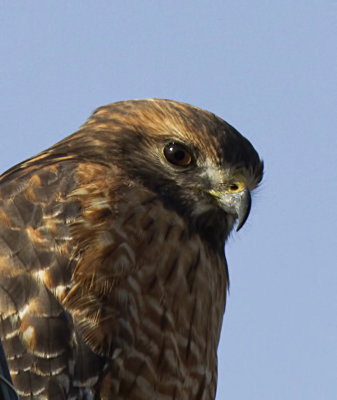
(177, 154)
(234, 187)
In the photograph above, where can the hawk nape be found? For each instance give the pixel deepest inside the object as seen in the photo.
(112, 269)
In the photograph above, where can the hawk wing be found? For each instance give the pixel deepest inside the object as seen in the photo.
(37, 261)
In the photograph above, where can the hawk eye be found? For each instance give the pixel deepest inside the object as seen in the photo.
(177, 154)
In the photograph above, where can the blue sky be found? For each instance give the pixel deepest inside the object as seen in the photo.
(267, 67)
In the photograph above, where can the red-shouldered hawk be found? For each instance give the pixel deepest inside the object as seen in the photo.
(113, 276)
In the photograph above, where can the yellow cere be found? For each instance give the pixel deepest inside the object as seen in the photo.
(236, 187)
(233, 187)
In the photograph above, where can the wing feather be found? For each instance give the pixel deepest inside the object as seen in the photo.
(37, 261)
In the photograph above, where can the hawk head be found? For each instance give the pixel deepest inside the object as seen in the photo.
(195, 162)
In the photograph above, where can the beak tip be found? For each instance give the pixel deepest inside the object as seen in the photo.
(243, 210)
(240, 224)
(237, 204)
(238, 227)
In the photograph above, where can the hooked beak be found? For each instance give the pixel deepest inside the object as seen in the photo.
(238, 204)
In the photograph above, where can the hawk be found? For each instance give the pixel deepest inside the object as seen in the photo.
(113, 276)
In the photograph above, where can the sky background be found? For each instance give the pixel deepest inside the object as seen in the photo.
(267, 67)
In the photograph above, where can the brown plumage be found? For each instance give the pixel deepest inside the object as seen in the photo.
(112, 269)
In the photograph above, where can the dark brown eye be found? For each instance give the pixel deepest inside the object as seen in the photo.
(177, 154)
